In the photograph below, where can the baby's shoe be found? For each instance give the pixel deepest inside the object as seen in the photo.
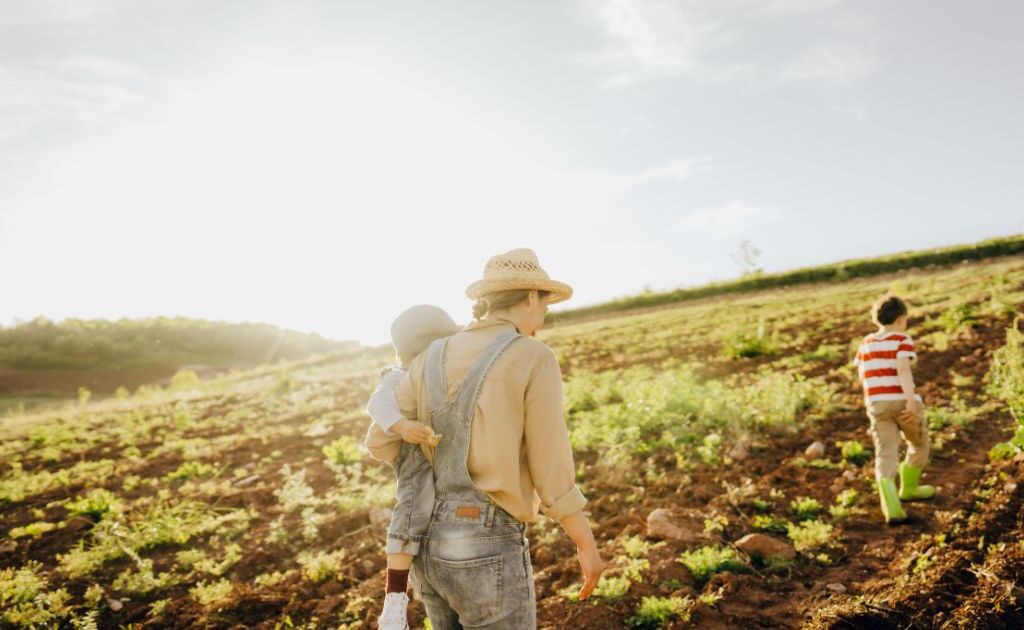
(394, 617)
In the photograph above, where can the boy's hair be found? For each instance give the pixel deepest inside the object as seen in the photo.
(888, 309)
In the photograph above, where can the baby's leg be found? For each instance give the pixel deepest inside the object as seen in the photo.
(400, 561)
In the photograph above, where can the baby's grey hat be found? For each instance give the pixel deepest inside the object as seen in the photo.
(418, 326)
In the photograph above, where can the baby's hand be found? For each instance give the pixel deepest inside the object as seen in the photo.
(413, 432)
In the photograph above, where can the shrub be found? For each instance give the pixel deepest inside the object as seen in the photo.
(706, 561)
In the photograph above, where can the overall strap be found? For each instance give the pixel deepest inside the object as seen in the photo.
(454, 420)
(472, 383)
(434, 376)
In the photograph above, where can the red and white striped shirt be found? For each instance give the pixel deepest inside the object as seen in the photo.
(876, 363)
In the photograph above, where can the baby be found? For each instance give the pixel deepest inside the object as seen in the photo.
(411, 333)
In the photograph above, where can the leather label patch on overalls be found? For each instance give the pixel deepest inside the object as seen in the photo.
(467, 511)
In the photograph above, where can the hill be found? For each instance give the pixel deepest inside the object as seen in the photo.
(244, 500)
(154, 342)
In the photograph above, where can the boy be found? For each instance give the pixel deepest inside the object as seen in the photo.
(883, 361)
(411, 333)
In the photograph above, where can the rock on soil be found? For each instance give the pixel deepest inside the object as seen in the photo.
(685, 526)
(815, 451)
(765, 546)
(836, 587)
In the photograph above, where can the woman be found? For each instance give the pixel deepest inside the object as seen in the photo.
(494, 394)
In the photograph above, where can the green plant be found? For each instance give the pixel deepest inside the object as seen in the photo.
(744, 343)
(956, 317)
(657, 612)
(211, 594)
(768, 523)
(805, 508)
(190, 469)
(35, 530)
(343, 451)
(810, 535)
(97, 505)
(854, 452)
(185, 379)
(706, 561)
(317, 567)
(25, 600)
(1005, 380)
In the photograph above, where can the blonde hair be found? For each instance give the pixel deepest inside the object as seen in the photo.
(501, 300)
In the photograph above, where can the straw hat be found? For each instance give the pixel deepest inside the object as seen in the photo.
(517, 269)
(418, 326)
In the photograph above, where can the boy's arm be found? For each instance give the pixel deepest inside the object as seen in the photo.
(906, 379)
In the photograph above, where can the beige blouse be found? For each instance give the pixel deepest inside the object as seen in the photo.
(519, 452)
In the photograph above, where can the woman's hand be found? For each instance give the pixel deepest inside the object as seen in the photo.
(413, 432)
(592, 567)
(591, 564)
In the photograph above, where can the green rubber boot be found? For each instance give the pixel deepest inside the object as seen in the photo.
(909, 488)
(891, 509)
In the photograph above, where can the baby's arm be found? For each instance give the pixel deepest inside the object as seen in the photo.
(383, 409)
(382, 406)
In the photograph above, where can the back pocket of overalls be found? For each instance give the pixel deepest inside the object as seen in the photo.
(471, 587)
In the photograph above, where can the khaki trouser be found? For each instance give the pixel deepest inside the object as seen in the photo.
(886, 426)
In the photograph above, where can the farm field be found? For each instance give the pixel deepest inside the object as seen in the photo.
(246, 501)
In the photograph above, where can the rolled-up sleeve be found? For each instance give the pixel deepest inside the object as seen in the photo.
(548, 450)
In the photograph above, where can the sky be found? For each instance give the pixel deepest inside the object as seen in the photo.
(322, 165)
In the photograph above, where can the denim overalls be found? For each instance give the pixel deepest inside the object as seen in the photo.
(473, 569)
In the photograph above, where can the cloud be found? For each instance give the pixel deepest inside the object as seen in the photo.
(839, 64)
(87, 89)
(675, 170)
(718, 42)
(857, 111)
(796, 7)
(637, 124)
(728, 220)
